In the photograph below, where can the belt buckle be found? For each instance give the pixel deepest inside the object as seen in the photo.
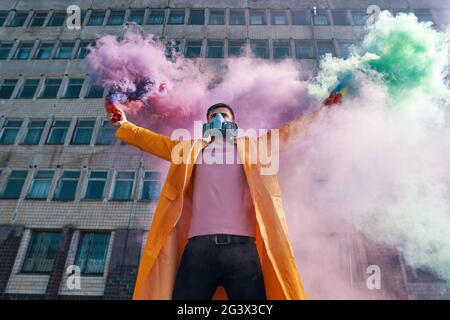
(216, 239)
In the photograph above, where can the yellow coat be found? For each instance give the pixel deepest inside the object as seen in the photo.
(169, 229)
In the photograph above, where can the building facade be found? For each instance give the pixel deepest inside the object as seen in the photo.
(70, 194)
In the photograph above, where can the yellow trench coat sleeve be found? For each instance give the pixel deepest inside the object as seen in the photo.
(168, 232)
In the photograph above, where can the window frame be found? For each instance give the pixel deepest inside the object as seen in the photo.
(114, 186)
(36, 177)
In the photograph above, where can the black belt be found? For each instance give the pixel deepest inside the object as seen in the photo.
(223, 238)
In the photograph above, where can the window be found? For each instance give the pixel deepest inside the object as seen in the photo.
(157, 17)
(257, 17)
(359, 17)
(301, 17)
(260, 48)
(24, 50)
(58, 132)
(34, 132)
(67, 185)
(57, 19)
(44, 50)
(236, 47)
(38, 19)
(123, 187)
(279, 17)
(3, 16)
(73, 88)
(96, 18)
(5, 48)
(9, 131)
(83, 132)
(197, 16)
(320, 18)
(92, 252)
(28, 89)
(217, 17)
(423, 15)
(83, 49)
(324, 47)
(151, 185)
(65, 50)
(215, 49)
(18, 19)
(40, 185)
(106, 135)
(51, 88)
(344, 48)
(96, 185)
(7, 88)
(172, 47)
(116, 18)
(193, 49)
(304, 49)
(176, 17)
(237, 17)
(340, 18)
(14, 185)
(136, 16)
(281, 49)
(41, 252)
(95, 91)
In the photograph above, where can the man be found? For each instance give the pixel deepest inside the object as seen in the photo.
(218, 230)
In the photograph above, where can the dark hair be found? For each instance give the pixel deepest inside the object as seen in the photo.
(219, 105)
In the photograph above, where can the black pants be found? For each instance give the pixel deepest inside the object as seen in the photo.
(211, 261)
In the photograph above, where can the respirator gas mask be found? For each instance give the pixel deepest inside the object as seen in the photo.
(217, 124)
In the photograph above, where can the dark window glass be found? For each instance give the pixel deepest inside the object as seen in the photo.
(106, 135)
(58, 132)
(7, 88)
(151, 185)
(14, 185)
(176, 17)
(67, 185)
(215, 49)
(96, 18)
(157, 17)
(260, 48)
(65, 50)
(83, 132)
(51, 88)
(57, 19)
(236, 47)
(96, 185)
(172, 47)
(9, 131)
(3, 16)
(237, 17)
(324, 47)
(95, 91)
(279, 17)
(23, 51)
(41, 252)
(304, 49)
(257, 17)
(18, 19)
(40, 185)
(344, 48)
(423, 15)
(83, 49)
(340, 18)
(73, 88)
(123, 187)
(38, 19)
(320, 18)
(359, 17)
(217, 17)
(301, 17)
(28, 89)
(281, 50)
(44, 51)
(136, 16)
(193, 49)
(34, 132)
(116, 18)
(5, 48)
(197, 16)
(92, 252)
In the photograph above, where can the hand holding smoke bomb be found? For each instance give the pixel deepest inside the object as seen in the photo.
(114, 112)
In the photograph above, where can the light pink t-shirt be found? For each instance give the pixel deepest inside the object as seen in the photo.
(221, 198)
